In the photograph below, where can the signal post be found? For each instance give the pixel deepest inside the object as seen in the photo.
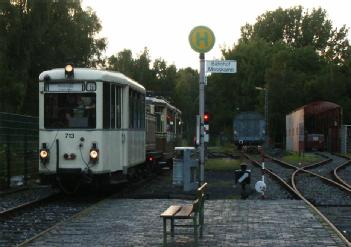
(202, 40)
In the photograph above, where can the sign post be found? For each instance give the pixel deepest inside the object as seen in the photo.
(202, 40)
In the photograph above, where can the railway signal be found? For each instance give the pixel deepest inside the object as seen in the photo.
(206, 127)
(206, 118)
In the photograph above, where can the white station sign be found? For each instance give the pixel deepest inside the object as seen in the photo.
(221, 66)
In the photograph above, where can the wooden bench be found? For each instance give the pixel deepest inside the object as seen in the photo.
(193, 211)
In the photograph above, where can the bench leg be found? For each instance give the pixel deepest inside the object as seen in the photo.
(172, 227)
(202, 215)
(201, 221)
(195, 229)
(164, 232)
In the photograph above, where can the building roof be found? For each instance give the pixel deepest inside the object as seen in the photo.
(318, 107)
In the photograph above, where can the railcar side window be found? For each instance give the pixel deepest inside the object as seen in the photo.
(159, 120)
(131, 108)
(106, 106)
(170, 121)
(136, 110)
(113, 106)
(142, 102)
(118, 107)
(69, 110)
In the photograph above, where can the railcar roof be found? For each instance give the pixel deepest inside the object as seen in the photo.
(162, 102)
(93, 74)
(248, 115)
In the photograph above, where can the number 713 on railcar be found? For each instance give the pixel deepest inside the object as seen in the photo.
(91, 126)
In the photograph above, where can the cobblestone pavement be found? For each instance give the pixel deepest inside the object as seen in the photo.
(136, 222)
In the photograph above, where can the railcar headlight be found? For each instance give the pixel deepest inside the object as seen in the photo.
(69, 71)
(94, 154)
(44, 154)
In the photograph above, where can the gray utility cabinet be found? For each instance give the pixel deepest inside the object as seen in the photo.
(185, 169)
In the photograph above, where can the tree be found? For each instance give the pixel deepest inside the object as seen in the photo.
(297, 55)
(143, 74)
(299, 28)
(13, 55)
(165, 79)
(227, 94)
(186, 99)
(123, 62)
(39, 35)
(160, 79)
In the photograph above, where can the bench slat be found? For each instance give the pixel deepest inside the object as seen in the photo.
(203, 187)
(185, 212)
(172, 210)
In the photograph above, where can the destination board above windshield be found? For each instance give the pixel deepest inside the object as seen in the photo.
(70, 87)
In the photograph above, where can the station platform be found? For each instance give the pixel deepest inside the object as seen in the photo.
(135, 222)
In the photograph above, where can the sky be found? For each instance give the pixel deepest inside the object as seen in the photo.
(163, 26)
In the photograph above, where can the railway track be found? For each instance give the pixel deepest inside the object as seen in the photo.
(21, 198)
(275, 190)
(26, 221)
(280, 168)
(29, 219)
(326, 167)
(328, 198)
(278, 172)
(342, 173)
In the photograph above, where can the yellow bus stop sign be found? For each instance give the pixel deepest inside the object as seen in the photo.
(201, 39)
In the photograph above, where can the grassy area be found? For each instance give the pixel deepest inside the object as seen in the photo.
(222, 164)
(228, 148)
(343, 154)
(305, 159)
(222, 184)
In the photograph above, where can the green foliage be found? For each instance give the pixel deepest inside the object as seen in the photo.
(296, 55)
(39, 35)
(299, 28)
(186, 99)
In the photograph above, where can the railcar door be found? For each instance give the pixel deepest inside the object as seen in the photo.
(114, 137)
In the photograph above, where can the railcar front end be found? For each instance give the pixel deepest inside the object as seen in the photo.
(91, 127)
(249, 129)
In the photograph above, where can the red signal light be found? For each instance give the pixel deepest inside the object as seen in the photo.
(206, 118)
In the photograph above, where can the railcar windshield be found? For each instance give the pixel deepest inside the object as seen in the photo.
(69, 110)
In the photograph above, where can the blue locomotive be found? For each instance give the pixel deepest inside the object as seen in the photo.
(249, 129)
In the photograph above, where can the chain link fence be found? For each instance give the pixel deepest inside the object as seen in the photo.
(18, 149)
